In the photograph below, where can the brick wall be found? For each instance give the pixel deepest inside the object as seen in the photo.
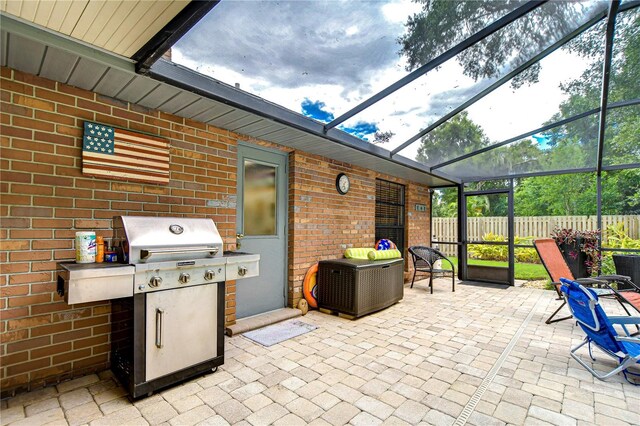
(323, 223)
(44, 200)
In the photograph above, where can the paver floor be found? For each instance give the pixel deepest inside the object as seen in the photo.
(480, 356)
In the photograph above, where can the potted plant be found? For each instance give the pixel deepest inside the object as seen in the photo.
(580, 250)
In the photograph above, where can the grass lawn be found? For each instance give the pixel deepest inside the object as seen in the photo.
(524, 271)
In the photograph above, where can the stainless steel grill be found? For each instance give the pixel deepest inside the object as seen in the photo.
(168, 309)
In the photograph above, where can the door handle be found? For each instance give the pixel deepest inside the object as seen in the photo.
(159, 321)
(238, 243)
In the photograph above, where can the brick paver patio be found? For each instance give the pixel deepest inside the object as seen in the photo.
(481, 356)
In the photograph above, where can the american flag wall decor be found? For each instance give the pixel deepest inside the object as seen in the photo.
(123, 155)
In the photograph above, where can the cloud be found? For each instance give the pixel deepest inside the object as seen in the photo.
(361, 129)
(296, 43)
(316, 110)
(443, 102)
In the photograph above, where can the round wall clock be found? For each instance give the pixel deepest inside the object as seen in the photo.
(342, 183)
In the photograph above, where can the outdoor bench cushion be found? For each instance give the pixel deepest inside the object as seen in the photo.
(384, 254)
(357, 252)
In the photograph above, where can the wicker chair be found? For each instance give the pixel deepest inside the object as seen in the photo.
(423, 260)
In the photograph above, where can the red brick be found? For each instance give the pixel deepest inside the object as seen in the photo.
(51, 350)
(28, 344)
(15, 358)
(34, 79)
(94, 360)
(53, 223)
(92, 341)
(14, 222)
(29, 145)
(53, 159)
(52, 244)
(15, 154)
(15, 336)
(14, 290)
(49, 308)
(71, 335)
(22, 200)
(54, 138)
(31, 233)
(14, 86)
(51, 329)
(53, 201)
(44, 287)
(18, 301)
(55, 96)
(55, 118)
(28, 366)
(33, 103)
(73, 192)
(30, 123)
(31, 189)
(14, 267)
(29, 255)
(14, 245)
(10, 176)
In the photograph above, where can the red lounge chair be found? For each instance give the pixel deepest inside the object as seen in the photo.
(557, 268)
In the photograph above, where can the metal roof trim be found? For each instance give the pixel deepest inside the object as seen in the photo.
(187, 79)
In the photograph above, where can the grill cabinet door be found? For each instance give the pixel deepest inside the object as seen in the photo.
(181, 327)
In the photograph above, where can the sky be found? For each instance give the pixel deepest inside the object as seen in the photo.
(321, 58)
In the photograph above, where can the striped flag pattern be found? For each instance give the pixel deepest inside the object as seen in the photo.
(123, 155)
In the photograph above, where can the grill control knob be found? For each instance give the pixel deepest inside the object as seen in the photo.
(155, 282)
(209, 275)
(184, 278)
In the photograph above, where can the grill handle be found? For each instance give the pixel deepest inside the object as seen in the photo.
(146, 253)
(159, 320)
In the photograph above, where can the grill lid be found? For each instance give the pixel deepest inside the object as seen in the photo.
(144, 238)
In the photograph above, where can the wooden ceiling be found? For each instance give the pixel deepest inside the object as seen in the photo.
(121, 27)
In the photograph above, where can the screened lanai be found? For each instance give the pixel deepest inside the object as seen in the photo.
(500, 98)
(459, 96)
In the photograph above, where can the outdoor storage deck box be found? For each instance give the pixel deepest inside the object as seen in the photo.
(357, 287)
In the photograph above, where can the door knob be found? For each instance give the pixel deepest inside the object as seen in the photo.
(238, 243)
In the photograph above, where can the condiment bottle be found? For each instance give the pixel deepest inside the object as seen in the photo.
(99, 249)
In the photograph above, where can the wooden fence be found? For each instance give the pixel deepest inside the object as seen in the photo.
(446, 228)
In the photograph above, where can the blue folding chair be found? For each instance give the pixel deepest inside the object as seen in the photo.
(585, 307)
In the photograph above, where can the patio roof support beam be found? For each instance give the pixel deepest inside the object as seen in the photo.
(462, 234)
(606, 76)
(470, 41)
(599, 214)
(555, 46)
(171, 33)
(573, 118)
(553, 172)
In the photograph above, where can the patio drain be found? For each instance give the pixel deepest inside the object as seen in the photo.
(475, 398)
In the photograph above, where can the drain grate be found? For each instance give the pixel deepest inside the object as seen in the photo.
(477, 395)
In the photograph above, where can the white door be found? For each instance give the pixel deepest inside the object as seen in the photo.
(262, 220)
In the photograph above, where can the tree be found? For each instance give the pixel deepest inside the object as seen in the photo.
(457, 136)
(442, 23)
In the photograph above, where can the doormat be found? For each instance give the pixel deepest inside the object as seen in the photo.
(276, 333)
(484, 284)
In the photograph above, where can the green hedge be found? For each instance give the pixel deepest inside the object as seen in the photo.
(501, 253)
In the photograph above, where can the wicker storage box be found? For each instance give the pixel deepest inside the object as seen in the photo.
(629, 265)
(357, 287)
